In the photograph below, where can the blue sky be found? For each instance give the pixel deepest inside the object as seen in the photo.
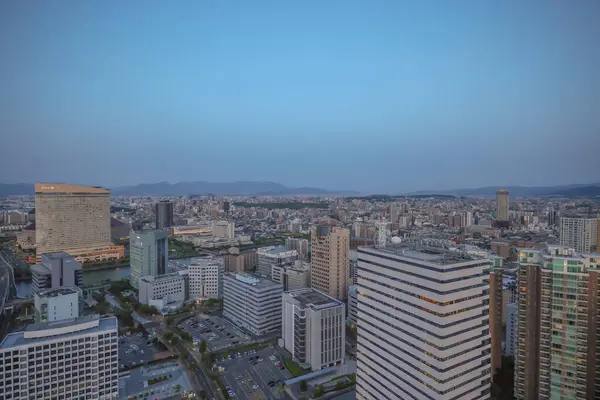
(363, 95)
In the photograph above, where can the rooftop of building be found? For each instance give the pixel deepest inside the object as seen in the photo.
(39, 333)
(156, 278)
(149, 232)
(69, 189)
(58, 292)
(253, 280)
(114, 223)
(314, 299)
(206, 261)
(559, 251)
(440, 252)
(274, 250)
(40, 269)
(57, 255)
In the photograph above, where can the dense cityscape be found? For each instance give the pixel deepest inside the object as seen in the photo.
(270, 297)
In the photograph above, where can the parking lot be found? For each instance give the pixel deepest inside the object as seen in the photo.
(253, 374)
(159, 381)
(217, 333)
(135, 350)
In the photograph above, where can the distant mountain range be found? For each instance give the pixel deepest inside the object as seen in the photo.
(576, 190)
(246, 188)
(251, 188)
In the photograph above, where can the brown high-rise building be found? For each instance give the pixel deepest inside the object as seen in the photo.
(502, 205)
(557, 350)
(496, 275)
(330, 248)
(71, 218)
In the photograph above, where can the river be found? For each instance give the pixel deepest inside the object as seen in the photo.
(92, 277)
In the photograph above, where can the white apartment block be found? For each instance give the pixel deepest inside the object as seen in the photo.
(423, 316)
(295, 275)
(353, 305)
(206, 278)
(170, 288)
(313, 328)
(224, 229)
(579, 233)
(57, 304)
(251, 303)
(71, 360)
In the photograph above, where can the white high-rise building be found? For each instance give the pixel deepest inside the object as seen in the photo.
(580, 233)
(206, 278)
(424, 324)
(313, 328)
(73, 359)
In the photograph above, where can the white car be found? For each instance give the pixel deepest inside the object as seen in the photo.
(255, 387)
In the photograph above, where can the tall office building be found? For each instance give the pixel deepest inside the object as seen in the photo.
(330, 248)
(580, 233)
(502, 205)
(71, 359)
(557, 351)
(251, 303)
(163, 211)
(56, 270)
(148, 254)
(423, 316)
(313, 328)
(353, 305)
(71, 217)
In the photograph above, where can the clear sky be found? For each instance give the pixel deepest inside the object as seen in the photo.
(371, 95)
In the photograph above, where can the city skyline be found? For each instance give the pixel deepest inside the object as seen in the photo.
(402, 97)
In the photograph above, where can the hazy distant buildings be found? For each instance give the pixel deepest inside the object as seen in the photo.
(300, 245)
(236, 261)
(580, 233)
(502, 206)
(223, 229)
(163, 214)
(330, 247)
(423, 324)
(148, 254)
(74, 219)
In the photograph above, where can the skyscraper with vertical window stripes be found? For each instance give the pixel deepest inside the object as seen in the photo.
(423, 323)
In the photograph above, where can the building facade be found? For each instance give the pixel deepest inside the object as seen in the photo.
(294, 275)
(223, 229)
(57, 304)
(71, 217)
(502, 205)
(313, 328)
(268, 256)
(330, 247)
(206, 278)
(579, 233)
(77, 359)
(353, 305)
(511, 329)
(163, 211)
(557, 349)
(424, 330)
(300, 245)
(496, 308)
(170, 288)
(251, 303)
(148, 254)
(56, 270)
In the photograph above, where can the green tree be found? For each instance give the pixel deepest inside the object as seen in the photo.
(318, 391)
(340, 384)
(303, 386)
(202, 347)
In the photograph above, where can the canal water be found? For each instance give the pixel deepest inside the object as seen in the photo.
(93, 277)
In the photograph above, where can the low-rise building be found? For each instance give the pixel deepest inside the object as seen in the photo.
(57, 304)
(273, 255)
(251, 303)
(162, 289)
(293, 275)
(313, 328)
(206, 278)
(56, 270)
(73, 359)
